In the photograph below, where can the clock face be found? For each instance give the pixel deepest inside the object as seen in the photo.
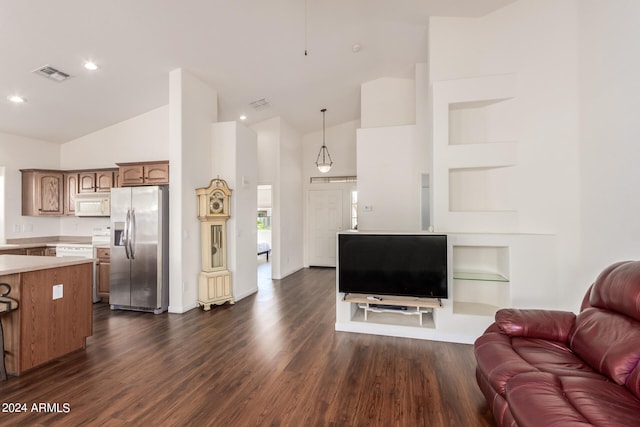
(216, 203)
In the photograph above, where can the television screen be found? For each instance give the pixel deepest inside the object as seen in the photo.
(393, 264)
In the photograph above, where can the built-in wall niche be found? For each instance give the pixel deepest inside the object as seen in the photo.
(479, 122)
(482, 189)
(480, 279)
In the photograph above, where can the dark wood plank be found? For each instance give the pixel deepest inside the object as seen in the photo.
(272, 359)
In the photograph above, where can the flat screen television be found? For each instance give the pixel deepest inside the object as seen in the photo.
(393, 264)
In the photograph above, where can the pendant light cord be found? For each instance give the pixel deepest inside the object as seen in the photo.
(324, 110)
(305, 27)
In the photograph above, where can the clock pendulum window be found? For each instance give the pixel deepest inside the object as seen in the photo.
(214, 281)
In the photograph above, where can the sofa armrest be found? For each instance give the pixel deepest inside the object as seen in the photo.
(545, 324)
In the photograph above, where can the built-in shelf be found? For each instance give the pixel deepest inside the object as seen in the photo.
(476, 154)
(387, 318)
(479, 122)
(480, 279)
(394, 300)
(415, 306)
(474, 308)
(479, 276)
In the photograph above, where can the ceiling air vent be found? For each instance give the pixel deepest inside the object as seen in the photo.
(52, 73)
(260, 104)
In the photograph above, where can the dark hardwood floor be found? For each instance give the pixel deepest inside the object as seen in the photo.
(272, 359)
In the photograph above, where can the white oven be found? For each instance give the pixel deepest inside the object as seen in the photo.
(84, 250)
(99, 236)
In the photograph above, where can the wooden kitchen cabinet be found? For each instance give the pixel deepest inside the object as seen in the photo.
(42, 192)
(39, 251)
(17, 251)
(70, 191)
(104, 269)
(143, 173)
(96, 181)
(44, 328)
(86, 181)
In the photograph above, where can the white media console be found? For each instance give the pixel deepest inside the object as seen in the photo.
(486, 272)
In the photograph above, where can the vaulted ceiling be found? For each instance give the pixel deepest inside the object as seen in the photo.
(247, 50)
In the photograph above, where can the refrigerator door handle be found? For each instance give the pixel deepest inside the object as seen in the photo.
(125, 238)
(132, 238)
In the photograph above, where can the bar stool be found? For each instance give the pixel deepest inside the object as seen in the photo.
(7, 305)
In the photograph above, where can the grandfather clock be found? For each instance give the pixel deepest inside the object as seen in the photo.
(214, 281)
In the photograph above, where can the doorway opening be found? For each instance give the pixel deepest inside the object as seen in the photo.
(264, 235)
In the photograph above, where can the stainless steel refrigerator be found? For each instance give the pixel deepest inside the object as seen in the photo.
(139, 275)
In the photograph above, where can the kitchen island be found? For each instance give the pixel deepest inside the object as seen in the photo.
(54, 316)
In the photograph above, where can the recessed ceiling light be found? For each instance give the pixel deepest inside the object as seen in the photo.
(17, 99)
(90, 65)
(243, 117)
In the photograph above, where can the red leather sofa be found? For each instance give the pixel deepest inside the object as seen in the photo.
(554, 368)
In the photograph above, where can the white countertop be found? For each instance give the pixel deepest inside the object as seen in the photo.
(12, 264)
(39, 245)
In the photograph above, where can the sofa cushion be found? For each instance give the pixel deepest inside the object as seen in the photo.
(501, 357)
(552, 356)
(609, 342)
(497, 404)
(546, 324)
(542, 399)
(497, 359)
(617, 289)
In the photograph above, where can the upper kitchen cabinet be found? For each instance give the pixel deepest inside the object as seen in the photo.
(42, 192)
(144, 173)
(71, 189)
(96, 181)
(86, 181)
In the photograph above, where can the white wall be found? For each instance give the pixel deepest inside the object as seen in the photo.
(192, 108)
(17, 152)
(341, 142)
(290, 200)
(609, 133)
(388, 102)
(537, 41)
(391, 154)
(279, 164)
(141, 138)
(235, 160)
(390, 167)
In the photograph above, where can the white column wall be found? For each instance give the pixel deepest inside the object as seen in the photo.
(192, 108)
(291, 201)
(235, 160)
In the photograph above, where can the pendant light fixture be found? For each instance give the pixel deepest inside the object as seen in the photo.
(323, 161)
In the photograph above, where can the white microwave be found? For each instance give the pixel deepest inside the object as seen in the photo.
(93, 204)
